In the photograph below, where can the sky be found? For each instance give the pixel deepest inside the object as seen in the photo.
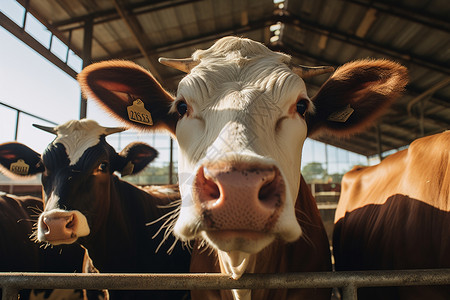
(30, 83)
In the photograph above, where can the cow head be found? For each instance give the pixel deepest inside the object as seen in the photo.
(77, 171)
(241, 116)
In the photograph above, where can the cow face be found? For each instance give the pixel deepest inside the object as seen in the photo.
(240, 117)
(77, 172)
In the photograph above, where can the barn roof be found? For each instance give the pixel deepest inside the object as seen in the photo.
(415, 33)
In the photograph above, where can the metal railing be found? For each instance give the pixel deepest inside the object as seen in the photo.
(11, 283)
(18, 112)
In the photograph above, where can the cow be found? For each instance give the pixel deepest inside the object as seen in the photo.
(86, 202)
(396, 215)
(18, 253)
(240, 117)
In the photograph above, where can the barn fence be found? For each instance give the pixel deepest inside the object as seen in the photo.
(11, 283)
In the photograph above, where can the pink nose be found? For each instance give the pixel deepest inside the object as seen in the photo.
(59, 227)
(247, 198)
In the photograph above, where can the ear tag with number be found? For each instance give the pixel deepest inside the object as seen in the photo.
(19, 167)
(341, 115)
(137, 113)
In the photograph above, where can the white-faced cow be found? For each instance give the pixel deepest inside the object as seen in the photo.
(396, 215)
(86, 201)
(240, 117)
(18, 253)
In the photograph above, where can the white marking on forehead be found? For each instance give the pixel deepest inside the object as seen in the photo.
(77, 136)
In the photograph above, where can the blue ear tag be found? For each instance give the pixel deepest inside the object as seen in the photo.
(341, 115)
(19, 167)
(137, 113)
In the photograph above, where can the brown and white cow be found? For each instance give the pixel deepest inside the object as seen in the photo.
(86, 202)
(18, 253)
(240, 117)
(396, 215)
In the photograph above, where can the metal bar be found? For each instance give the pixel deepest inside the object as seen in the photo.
(29, 114)
(9, 293)
(26, 6)
(379, 142)
(69, 41)
(132, 25)
(171, 162)
(17, 125)
(350, 292)
(22, 35)
(195, 281)
(333, 33)
(431, 20)
(87, 51)
(112, 15)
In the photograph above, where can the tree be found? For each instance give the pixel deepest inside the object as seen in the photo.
(313, 172)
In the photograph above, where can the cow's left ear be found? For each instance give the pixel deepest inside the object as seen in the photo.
(18, 160)
(135, 157)
(130, 93)
(355, 95)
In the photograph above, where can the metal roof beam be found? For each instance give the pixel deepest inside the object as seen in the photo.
(22, 35)
(302, 24)
(189, 42)
(109, 15)
(407, 13)
(53, 29)
(133, 26)
(412, 89)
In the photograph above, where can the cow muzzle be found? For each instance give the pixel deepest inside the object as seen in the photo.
(239, 204)
(61, 227)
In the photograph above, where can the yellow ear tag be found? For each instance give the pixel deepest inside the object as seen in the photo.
(341, 115)
(137, 113)
(19, 167)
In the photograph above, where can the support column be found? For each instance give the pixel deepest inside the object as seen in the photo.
(87, 59)
(379, 142)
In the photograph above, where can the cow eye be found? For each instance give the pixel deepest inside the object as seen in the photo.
(302, 106)
(103, 166)
(182, 108)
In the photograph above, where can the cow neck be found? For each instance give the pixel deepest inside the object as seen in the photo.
(110, 245)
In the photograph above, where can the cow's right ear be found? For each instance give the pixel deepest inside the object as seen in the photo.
(130, 93)
(135, 157)
(18, 160)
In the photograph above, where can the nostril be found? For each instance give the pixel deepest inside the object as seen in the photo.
(210, 190)
(269, 193)
(70, 222)
(45, 227)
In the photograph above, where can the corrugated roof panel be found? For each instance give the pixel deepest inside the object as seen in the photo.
(413, 32)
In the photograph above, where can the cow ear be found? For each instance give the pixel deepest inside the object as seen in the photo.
(355, 95)
(130, 93)
(136, 156)
(18, 160)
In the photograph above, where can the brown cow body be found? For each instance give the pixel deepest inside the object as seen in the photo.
(396, 215)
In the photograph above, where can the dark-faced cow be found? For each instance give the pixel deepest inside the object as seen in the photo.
(86, 201)
(18, 253)
(241, 116)
(396, 215)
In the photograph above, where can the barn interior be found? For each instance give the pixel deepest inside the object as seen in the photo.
(325, 32)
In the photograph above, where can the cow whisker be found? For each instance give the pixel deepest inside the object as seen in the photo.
(168, 225)
(36, 209)
(174, 203)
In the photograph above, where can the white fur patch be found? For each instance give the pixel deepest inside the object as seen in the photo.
(77, 136)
